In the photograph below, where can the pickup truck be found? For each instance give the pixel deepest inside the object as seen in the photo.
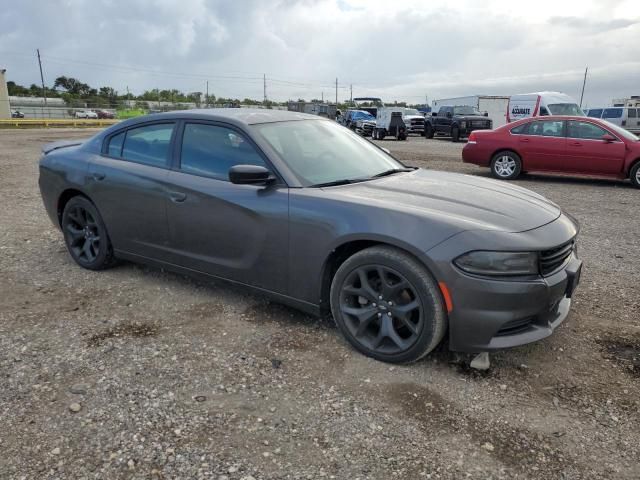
(456, 122)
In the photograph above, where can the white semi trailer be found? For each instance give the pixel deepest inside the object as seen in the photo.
(494, 105)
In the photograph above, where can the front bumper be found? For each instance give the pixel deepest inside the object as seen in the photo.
(492, 314)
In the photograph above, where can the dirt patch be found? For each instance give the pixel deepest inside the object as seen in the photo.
(624, 352)
(124, 330)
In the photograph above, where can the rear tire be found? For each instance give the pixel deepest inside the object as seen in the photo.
(387, 305)
(381, 134)
(374, 134)
(634, 175)
(506, 165)
(85, 235)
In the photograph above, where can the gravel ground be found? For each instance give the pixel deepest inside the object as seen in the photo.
(138, 373)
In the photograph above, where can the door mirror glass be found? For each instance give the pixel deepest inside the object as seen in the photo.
(449, 115)
(608, 138)
(250, 175)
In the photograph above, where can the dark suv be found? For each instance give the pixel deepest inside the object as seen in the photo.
(456, 122)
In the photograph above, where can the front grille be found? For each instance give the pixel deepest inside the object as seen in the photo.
(480, 124)
(552, 260)
(514, 327)
(417, 122)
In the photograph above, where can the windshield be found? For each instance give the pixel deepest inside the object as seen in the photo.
(464, 110)
(621, 131)
(320, 151)
(565, 109)
(612, 113)
(362, 115)
(411, 111)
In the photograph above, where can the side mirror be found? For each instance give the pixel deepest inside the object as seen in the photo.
(449, 115)
(486, 114)
(250, 175)
(608, 138)
(434, 114)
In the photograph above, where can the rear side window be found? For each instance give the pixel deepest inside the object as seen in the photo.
(632, 113)
(212, 150)
(520, 129)
(585, 130)
(115, 145)
(148, 144)
(612, 113)
(547, 128)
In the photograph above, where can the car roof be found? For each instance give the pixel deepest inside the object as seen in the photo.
(246, 116)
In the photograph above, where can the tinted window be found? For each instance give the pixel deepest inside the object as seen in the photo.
(211, 150)
(544, 111)
(565, 109)
(612, 113)
(148, 144)
(595, 112)
(547, 128)
(520, 129)
(587, 131)
(115, 145)
(632, 113)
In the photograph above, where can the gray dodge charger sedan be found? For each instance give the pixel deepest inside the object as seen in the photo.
(317, 217)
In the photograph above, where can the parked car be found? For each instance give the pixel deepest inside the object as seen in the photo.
(414, 121)
(313, 215)
(456, 122)
(571, 145)
(85, 114)
(360, 121)
(105, 114)
(541, 104)
(390, 122)
(627, 118)
(17, 114)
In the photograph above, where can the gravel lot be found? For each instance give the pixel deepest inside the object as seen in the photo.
(139, 373)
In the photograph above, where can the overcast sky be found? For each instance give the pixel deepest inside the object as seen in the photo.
(392, 49)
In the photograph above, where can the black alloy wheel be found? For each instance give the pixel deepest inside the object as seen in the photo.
(85, 234)
(387, 305)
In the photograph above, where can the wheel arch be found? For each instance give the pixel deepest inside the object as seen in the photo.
(509, 149)
(341, 252)
(64, 198)
(632, 164)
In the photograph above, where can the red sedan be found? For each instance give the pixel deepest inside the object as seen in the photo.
(569, 145)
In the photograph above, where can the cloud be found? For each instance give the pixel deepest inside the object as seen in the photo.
(396, 50)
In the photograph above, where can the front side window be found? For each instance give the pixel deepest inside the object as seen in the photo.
(565, 109)
(586, 131)
(320, 151)
(612, 113)
(595, 112)
(212, 150)
(632, 113)
(547, 128)
(544, 111)
(148, 144)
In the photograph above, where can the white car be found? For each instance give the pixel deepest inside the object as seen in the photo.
(86, 114)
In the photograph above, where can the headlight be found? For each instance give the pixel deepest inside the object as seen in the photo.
(499, 263)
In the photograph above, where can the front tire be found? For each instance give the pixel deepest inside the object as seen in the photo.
(455, 134)
(85, 235)
(387, 305)
(506, 165)
(634, 175)
(428, 131)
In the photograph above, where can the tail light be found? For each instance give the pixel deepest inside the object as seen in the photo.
(472, 138)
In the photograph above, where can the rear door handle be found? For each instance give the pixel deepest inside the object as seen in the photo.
(177, 197)
(98, 176)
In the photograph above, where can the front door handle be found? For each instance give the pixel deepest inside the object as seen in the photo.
(524, 140)
(575, 144)
(98, 176)
(177, 197)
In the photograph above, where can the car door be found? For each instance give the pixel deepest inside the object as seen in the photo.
(543, 146)
(128, 183)
(238, 232)
(589, 153)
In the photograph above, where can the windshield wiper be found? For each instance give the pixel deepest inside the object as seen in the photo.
(392, 171)
(334, 183)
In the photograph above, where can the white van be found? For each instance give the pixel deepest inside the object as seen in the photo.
(539, 104)
(628, 118)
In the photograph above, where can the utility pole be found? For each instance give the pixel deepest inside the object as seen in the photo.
(44, 91)
(322, 97)
(336, 91)
(584, 82)
(264, 88)
(351, 88)
(206, 98)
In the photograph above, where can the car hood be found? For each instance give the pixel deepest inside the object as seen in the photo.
(471, 202)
